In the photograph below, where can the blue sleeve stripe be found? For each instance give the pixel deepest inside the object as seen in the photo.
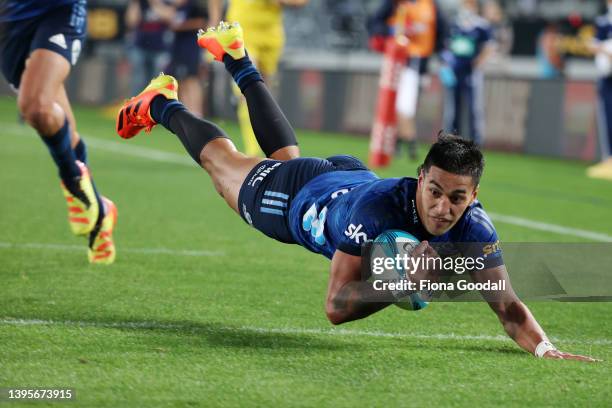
(276, 194)
(274, 202)
(482, 215)
(482, 221)
(274, 211)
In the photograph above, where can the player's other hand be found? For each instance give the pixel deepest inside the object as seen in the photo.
(560, 355)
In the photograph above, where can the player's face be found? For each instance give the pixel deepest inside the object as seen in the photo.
(442, 198)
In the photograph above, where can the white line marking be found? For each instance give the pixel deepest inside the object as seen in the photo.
(161, 156)
(284, 330)
(119, 147)
(139, 151)
(558, 229)
(81, 248)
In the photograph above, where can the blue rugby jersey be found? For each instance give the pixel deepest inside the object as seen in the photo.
(343, 209)
(603, 27)
(14, 10)
(467, 36)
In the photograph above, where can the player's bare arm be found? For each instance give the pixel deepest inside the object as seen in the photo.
(518, 321)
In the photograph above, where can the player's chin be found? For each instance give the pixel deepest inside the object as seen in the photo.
(437, 226)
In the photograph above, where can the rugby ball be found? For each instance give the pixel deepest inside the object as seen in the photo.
(389, 244)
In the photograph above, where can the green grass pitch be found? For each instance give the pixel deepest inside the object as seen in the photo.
(200, 310)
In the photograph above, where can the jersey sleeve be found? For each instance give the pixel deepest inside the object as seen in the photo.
(600, 29)
(479, 239)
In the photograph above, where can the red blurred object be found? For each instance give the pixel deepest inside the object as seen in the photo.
(575, 20)
(377, 43)
(384, 129)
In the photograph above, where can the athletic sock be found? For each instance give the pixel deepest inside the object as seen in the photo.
(193, 132)
(80, 151)
(64, 157)
(271, 127)
(242, 70)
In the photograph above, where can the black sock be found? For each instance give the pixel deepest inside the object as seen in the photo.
(64, 157)
(80, 151)
(271, 127)
(242, 70)
(193, 132)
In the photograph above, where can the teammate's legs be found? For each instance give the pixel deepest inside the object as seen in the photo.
(41, 82)
(62, 100)
(78, 144)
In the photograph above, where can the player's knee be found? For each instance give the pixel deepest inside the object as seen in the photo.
(36, 111)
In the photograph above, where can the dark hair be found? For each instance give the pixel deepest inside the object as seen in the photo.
(456, 155)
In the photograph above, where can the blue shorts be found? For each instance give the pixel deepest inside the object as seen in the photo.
(277, 182)
(61, 30)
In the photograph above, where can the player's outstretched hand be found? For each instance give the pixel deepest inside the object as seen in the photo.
(560, 355)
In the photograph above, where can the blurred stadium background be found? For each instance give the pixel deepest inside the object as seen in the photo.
(328, 78)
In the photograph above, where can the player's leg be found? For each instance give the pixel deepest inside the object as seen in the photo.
(407, 96)
(474, 96)
(452, 107)
(41, 87)
(272, 130)
(603, 169)
(249, 140)
(207, 144)
(101, 245)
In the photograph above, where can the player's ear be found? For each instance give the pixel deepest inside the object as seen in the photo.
(474, 193)
(421, 174)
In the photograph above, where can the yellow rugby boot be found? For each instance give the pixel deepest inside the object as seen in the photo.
(101, 246)
(83, 206)
(224, 39)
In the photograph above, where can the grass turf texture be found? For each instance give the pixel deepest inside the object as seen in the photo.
(245, 325)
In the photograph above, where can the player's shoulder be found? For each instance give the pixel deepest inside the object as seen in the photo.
(385, 204)
(476, 225)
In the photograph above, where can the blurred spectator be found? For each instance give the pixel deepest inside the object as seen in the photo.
(550, 58)
(148, 41)
(468, 46)
(186, 55)
(424, 26)
(602, 46)
(501, 29)
(264, 38)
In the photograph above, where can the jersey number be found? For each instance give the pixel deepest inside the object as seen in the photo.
(315, 223)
